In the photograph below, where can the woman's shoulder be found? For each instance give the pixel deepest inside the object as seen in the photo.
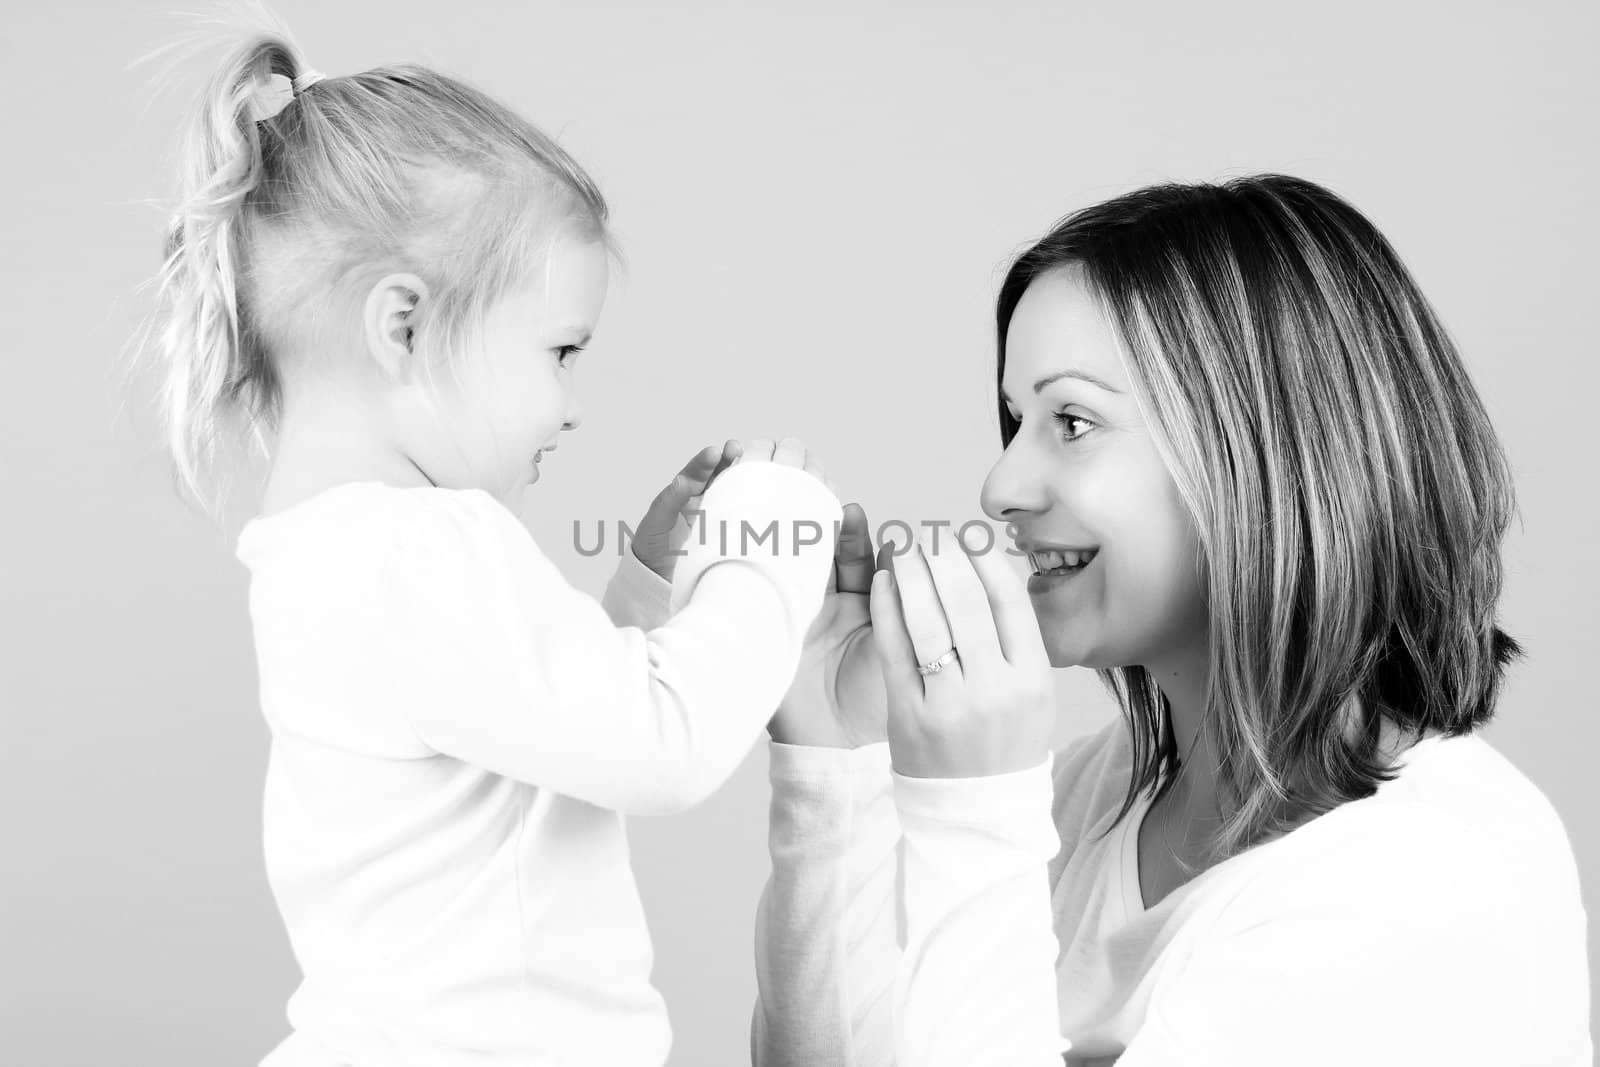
(1460, 786)
(1459, 825)
(1456, 874)
(1468, 788)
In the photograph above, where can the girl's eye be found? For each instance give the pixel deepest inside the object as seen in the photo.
(1072, 426)
(566, 352)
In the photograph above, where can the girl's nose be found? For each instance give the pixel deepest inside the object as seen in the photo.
(1016, 483)
(574, 417)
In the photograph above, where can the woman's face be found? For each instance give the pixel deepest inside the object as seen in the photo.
(1117, 577)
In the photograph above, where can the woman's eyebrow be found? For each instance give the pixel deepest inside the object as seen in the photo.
(1081, 375)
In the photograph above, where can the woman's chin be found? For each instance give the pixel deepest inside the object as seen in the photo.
(1069, 650)
(1072, 657)
(1066, 638)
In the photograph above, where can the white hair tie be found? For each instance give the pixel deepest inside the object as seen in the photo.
(276, 92)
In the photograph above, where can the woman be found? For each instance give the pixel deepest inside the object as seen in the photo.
(1262, 498)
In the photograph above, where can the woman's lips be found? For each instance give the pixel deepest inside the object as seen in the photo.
(1053, 559)
(1053, 569)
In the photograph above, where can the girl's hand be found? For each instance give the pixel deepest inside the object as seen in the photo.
(665, 528)
(837, 699)
(990, 711)
(659, 540)
(790, 451)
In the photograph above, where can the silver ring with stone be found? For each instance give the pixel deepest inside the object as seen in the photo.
(937, 665)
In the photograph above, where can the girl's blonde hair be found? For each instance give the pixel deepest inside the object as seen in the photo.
(283, 220)
(1348, 490)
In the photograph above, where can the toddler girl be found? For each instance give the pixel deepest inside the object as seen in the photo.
(457, 733)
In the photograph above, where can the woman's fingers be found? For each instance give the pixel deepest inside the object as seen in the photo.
(963, 601)
(924, 617)
(896, 655)
(1015, 622)
(852, 556)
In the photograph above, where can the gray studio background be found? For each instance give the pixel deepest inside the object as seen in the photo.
(815, 204)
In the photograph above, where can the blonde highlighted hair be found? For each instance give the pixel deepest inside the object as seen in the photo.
(283, 220)
(1347, 488)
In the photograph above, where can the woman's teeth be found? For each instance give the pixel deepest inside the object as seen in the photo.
(1053, 562)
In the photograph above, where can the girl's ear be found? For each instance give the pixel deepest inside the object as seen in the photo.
(394, 307)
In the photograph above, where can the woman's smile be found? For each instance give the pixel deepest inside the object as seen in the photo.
(1054, 565)
(1053, 569)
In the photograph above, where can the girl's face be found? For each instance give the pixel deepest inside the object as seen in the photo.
(517, 391)
(1117, 578)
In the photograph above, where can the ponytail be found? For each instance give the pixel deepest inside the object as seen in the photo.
(296, 194)
(214, 364)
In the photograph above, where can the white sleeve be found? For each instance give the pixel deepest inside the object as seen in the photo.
(505, 666)
(636, 595)
(826, 938)
(977, 981)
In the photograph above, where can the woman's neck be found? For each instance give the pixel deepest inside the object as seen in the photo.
(1194, 797)
(1183, 679)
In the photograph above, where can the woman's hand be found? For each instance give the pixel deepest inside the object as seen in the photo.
(659, 540)
(837, 699)
(990, 710)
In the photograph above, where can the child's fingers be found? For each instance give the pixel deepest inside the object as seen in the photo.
(704, 461)
(696, 475)
(757, 449)
(687, 484)
(700, 469)
(791, 451)
(814, 469)
(669, 503)
(731, 451)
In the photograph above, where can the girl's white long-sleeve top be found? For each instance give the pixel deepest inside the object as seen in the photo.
(920, 923)
(456, 736)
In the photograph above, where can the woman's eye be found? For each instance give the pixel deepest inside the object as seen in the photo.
(1072, 426)
(566, 352)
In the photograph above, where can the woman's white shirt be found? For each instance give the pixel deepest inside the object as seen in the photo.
(1437, 921)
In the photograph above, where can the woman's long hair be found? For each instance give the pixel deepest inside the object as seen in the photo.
(1348, 490)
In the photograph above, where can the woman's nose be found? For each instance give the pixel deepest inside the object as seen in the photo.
(1015, 485)
(574, 417)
